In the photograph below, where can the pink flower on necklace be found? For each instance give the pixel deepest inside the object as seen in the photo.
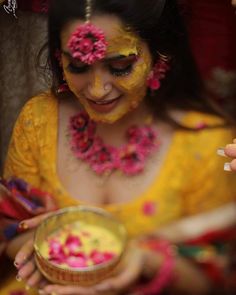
(129, 158)
(79, 123)
(88, 43)
(102, 159)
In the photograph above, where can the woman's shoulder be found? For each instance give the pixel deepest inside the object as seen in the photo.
(39, 106)
(200, 120)
(37, 112)
(43, 100)
(208, 132)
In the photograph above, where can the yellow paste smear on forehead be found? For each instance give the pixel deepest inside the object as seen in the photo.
(134, 85)
(125, 43)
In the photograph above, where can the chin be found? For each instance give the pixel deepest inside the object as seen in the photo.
(111, 117)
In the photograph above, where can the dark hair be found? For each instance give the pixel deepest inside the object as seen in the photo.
(160, 24)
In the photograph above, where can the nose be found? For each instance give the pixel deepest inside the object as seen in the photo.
(98, 88)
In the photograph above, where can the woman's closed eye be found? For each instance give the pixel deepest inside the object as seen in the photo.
(117, 68)
(114, 70)
(122, 67)
(77, 69)
(120, 71)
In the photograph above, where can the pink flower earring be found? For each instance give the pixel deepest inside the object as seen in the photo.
(158, 72)
(63, 87)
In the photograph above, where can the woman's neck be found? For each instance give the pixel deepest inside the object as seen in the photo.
(115, 133)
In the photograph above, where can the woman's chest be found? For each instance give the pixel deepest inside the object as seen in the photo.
(142, 203)
(83, 184)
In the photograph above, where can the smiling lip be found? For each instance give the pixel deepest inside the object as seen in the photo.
(104, 106)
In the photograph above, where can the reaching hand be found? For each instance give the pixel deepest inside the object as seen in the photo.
(230, 151)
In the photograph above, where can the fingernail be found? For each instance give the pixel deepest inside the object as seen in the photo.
(27, 287)
(18, 278)
(23, 225)
(16, 264)
(227, 167)
(41, 292)
(221, 152)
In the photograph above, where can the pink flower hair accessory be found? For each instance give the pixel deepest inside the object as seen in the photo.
(158, 72)
(87, 43)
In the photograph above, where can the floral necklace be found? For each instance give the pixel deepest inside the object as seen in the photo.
(103, 158)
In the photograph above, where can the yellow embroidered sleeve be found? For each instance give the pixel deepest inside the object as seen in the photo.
(21, 158)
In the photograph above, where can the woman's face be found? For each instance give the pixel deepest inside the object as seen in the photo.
(114, 85)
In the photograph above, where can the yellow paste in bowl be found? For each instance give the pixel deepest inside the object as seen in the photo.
(80, 245)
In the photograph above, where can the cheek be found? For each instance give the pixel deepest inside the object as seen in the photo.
(136, 82)
(74, 82)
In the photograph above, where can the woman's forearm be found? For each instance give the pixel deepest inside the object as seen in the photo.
(187, 278)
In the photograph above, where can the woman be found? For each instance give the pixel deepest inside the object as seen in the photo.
(126, 114)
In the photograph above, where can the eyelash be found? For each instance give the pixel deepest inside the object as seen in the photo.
(114, 71)
(121, 72)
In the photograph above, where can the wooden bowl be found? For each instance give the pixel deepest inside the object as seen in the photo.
(84, 276)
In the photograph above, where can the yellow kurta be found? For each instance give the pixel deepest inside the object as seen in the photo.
(191, 180)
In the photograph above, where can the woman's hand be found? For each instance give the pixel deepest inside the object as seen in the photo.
(24, 260)
(230, 151)
(124, 277)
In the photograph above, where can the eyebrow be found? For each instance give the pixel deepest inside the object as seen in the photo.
(108, 59)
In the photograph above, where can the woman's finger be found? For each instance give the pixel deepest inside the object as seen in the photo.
(42, 284)
(33, 222)
(230, 150)
(27, 269)
(35, 279)
(233, 165)
(24, 253)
